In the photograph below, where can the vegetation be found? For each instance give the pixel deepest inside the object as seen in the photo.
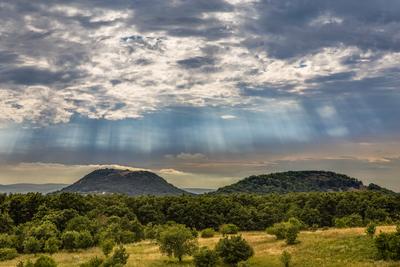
(286, 230)
(205, 257)
(286, 258)
(298, 181)
(388, 245)
(177, 240)
(208, 232)
(8, 254)
(234, 249)
(371, 229)
(228, 229)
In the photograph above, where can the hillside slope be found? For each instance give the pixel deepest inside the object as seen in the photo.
(26, 188)
(298, 181)
(124, 182)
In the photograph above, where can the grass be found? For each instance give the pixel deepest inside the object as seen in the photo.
(322, 248)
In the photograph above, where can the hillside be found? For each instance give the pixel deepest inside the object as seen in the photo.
(26, 188)
(124, 182)
(298, 181)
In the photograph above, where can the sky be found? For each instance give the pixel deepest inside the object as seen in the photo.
(202, 92)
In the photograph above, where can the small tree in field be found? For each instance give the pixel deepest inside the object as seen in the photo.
(371, 229)
(177, 240)
(107, 246)
(205, 257)
(286, 258)
(291, 234)
(234, 249)
(228, 229)
(119, 258)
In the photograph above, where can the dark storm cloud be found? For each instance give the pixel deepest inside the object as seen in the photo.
(298, 27)
(196, 62)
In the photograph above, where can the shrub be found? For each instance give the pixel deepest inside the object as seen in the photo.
(7, 241)
(70, 240)
(371, 229)
(107, 246)
(234, 249)
(278, 230)
(286, 258)
(31, 245)
(291, 234)
(93, 262)
(8, 254)
(353, 220)
(205, 257)
(119, 258)
(228, 229)
(388, 246)
(208, 232)
(45, 261)
(177, 240)
(85, 240)
(52, 245)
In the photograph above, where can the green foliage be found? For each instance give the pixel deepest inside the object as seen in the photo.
(286, 258)
(52, 245)
(32, 245)
(45, 261)
(228, 229)
(79, 224)
(8, 254)
(93, 262)
(119, 258)
(107, 246)
(6, 223)
(353, 220)
(177, 240)
(70, 240)
(388, 246)
(234, 249)
(205, 257)
(7, 241)
(208, 232)
(371, 229)
(286, 230)
(85, 239)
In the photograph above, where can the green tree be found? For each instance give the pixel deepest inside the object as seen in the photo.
(45, 261)
(85, 240)
(107, 246)
(234, 249)
(291, 234)
(177, 240)
(286, 258)
(208, 232)
(205, 257)
(52, 245)
(228, 229)
(6, 223)
(70, 240)
(371, 229)
(119, 258)
(8, 254)
(32, 245)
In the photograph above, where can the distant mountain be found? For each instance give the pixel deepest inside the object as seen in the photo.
(298, 181)
(132, 183)
(199, 191)
(26, 188)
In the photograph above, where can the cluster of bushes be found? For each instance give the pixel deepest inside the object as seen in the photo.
(388, 245)
(286, 230)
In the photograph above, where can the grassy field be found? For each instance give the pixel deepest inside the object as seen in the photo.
(332, 247)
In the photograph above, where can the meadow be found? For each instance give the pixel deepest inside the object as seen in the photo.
(330, 247)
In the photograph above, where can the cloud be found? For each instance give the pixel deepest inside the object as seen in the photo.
(187, 156)
(228, 117)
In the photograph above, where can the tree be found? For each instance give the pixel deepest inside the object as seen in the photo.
(291, 234)
(234, 249)
(31, 245)
(85, 240)
(388, 246)
(228, 229)
(286, 258)
(52, 245)
(371, 229)
(208, 232)
(8, 254)
(177, 240)
(45, 261)
(70, 240)
(107, 246)
(119, 258)
(205, 257)
(6, 223)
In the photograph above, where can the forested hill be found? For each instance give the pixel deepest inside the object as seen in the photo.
(124, 182)
(298, 181)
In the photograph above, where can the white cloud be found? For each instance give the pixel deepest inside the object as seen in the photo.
(228, 117)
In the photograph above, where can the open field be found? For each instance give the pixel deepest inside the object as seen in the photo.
(332, 247)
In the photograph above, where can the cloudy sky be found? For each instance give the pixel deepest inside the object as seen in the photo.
(202, 92)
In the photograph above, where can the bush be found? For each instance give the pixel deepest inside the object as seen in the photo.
(7, 241)
(278, 230)
(291, 234)
(93, 262)
(119, 258)
(205, 257)
(107, 246)
(52, 245)
(177, 240)
(45, 261)
(208, 232)
(371, 229)
(388, 246)
(32, 245)
(85, 240)
(353, 220)
(286, 230)
(286, 258)
(234, 249)
(70, 240)
(8, 254)
(228, 229)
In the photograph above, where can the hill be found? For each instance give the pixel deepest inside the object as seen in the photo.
(123, 182)
(298, 181)
(26, 188)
